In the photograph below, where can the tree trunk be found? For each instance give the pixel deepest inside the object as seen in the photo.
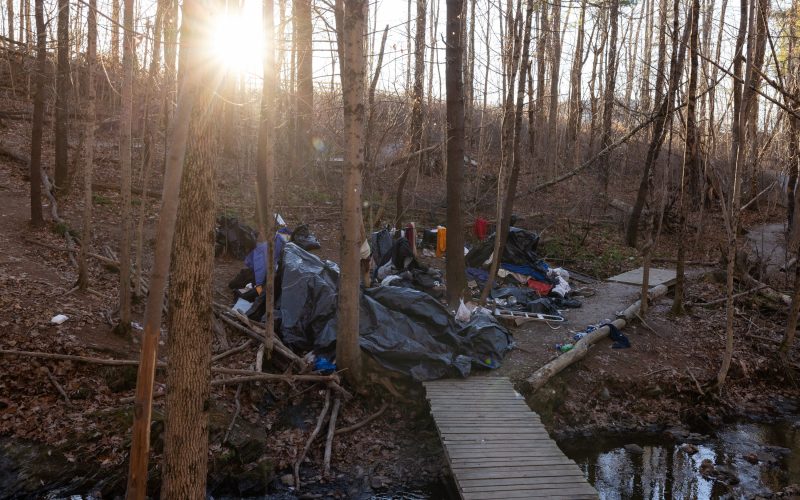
(691, 158)
(469, 79)
(192, 63)
(115, 34)
(456, 279)
(555, 63)
(190, 312)
(125, 118)
(348, 351)
(608, 98)
(149, 140)
(417, 117)
(61, 178)
(10, 13)
(305, 84)
(265, 177)
(575, 104)
(644, 93)
(512, 125)
(88, 162)
(732, 220)
(38, 118)
(663, 120)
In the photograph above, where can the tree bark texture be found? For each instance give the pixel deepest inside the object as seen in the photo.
(38, 117)
(608, 98)
(348, 351)
(125, 119)
(305, 83)
(88, 153)
(61, 178)
(456, 279)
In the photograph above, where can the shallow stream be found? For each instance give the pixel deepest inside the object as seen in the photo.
(752, 458)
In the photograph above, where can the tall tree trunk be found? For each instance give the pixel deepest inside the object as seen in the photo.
(543, 40)
(115, 34)
(417, 118)
(555, 63)
(88, 153)
(732, 220)
(691, 157)
(125, 118)
(62, 97)
(512, 125)
(348, 351)
(305, 84)
(575, 104)
(265, 175)
(469, 79)
(169, 85)
(644, 92)
(192, 64)
(149, 140)
(456, 279)
(756, 59)
(190, 313)
(608, 98)
(10, 13)
(663, 119)
(38, 118)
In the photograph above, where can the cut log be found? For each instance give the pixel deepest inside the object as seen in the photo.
(541, 376)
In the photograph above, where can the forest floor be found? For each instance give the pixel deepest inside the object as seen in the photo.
(661, 381)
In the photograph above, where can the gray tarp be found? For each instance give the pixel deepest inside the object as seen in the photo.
(404, 330)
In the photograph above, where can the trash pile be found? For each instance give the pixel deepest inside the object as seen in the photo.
(526, 288)
(402, 324)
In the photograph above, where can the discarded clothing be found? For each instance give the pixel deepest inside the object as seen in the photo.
(381, 245)
(536, 270)
(256, 259)
(620, 340)
(479, 275)
(565, 303)
(542, 288)
(481, 228)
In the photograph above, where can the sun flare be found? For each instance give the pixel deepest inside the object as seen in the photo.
(237, 41)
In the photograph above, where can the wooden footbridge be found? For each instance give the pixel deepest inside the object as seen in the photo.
(496, 446)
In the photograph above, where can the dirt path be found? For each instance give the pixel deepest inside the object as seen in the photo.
(768, 241)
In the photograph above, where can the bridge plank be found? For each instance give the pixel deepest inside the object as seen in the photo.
(496, 446)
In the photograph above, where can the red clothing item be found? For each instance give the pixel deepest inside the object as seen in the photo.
(481, 228)
(541, 287)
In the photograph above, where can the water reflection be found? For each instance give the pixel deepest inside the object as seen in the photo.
(664, 470)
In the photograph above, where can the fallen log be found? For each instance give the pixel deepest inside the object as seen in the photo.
(541, 376)
(767, 291)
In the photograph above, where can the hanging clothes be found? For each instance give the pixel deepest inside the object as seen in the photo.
(441, 240)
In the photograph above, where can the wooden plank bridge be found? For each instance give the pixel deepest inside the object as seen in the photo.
(496, 446)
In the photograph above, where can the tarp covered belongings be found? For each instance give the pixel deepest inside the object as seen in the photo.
(405, 330)
(520, 249)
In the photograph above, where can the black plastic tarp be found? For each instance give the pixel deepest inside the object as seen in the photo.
(520, 249)
(403, 329)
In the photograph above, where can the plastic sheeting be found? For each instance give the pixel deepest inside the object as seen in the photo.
(404, 330)
(520, 249)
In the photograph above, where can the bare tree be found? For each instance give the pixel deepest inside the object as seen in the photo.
(456, 279)
(732, 210)
(193, 62)
(10, 13)
(125, 118)
(88, 153)
(38, 118)
(555, 68)
(691, 157)
(351, 25)
(265, 175)
(305, 82)
(190, 313)
(115, 33)
(608, 98)
(575, 104)
(62, 98)
(417, 118)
